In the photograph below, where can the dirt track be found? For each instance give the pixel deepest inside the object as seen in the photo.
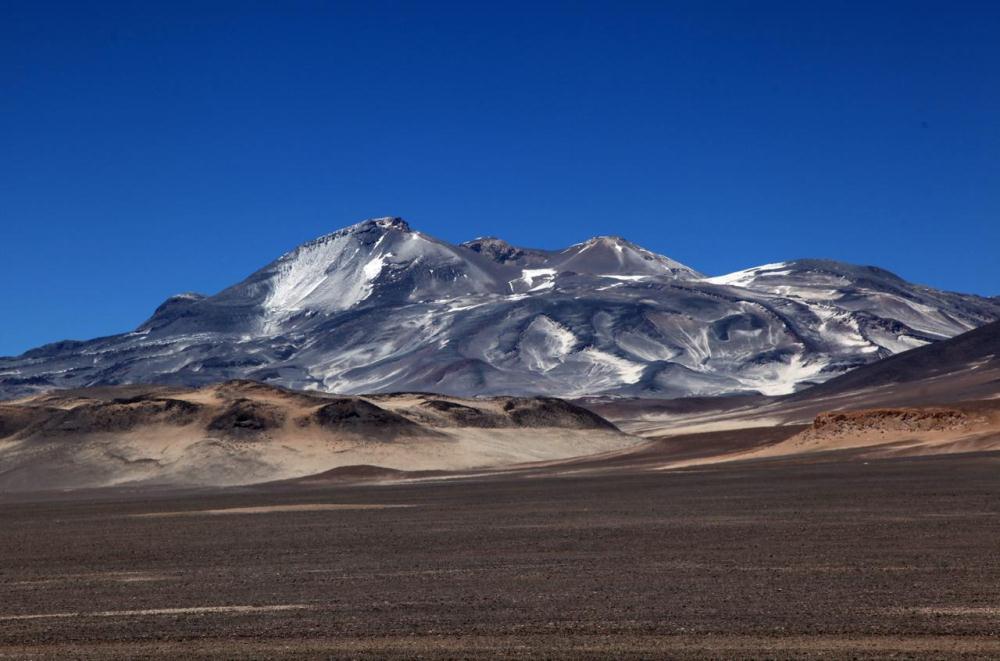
(775, 558)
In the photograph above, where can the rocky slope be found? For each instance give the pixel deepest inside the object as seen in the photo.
(379, 307)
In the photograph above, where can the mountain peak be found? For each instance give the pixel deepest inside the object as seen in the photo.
(378, 225)
(608, 239)
(614, 254)
(391, 222)
(371, 226)
(496, 249)
(336, 270)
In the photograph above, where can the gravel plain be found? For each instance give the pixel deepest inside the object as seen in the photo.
(833, 558)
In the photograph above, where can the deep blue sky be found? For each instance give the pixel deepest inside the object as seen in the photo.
(147, 149)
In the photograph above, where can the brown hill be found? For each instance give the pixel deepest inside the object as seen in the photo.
(243, 432)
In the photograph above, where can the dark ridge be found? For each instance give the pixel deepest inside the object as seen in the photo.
(349, 414)
(552, 412)
(117, 416)
(244, 417)
(942, 357)
(460, 415)
(53, 348)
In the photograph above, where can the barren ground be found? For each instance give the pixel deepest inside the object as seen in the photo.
(779, 558)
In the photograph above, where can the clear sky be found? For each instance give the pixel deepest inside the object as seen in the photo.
(150, 148)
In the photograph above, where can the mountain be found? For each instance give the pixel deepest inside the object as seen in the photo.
(380, 307)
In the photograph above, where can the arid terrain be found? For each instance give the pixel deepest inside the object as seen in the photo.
(438, 331)
(858, 520)
(241, 432)
(777, 559)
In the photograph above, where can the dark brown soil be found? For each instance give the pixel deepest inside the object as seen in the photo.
(772, 559)
(353, 414)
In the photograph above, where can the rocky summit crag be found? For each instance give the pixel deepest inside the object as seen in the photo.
(379, 307)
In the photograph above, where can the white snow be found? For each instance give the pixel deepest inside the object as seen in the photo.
(545, 344)
(838, 327)
(634, 278)
(535, 280)
(747, 276)
(542, 287)
(454, 307)
(374, 267)
(807, 293)
(620, 369)
(644, 347)
(780, 378)
(323, 274)
(530, 275)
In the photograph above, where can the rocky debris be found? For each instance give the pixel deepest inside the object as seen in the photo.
(496, 249)
(117, 416)
(889, 419)
(245, 417)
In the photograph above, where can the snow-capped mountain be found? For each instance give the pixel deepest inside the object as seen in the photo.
(380, 307)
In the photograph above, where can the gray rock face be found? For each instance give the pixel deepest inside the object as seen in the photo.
(379, 307)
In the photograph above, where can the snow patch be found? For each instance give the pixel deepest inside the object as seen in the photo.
(633, 278)
(747, 276)
(530, 275)
(374, 267)
(533, 280)
(780, 378)
(621, 370)
(324, 274)
(545, 344)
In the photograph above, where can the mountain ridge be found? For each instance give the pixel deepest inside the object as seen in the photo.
(378, 306)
